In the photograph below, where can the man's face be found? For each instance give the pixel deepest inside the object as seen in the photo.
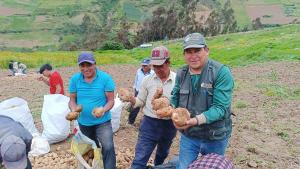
(162, 71)
(196, 57)
(46, 73)
(146, 68)
(87, 69)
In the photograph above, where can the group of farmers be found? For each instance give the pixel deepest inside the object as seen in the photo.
(203, 86)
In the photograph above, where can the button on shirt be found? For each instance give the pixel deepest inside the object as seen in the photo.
(91, 95)
(140, 74)
(148, 89)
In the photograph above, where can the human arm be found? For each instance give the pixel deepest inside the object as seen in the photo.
(175, 94)
(43, 79)
(72, 102)
(58, 89)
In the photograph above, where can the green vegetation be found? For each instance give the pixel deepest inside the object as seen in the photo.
(235, 49)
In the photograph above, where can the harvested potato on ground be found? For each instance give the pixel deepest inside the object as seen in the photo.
(158, 93)
(98, 112)
(72, 115)
(180, 116)
(165, 112)
(78, 108)
(125, 95)
(160, 103)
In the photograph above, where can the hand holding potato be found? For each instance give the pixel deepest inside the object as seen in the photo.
(180, 116)
(98, 112)
(73, 115)
(125, 95)
(160, 103)
(158, 93)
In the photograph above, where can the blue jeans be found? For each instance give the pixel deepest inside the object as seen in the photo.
(102, 134)
(153, 132)
(190, 148)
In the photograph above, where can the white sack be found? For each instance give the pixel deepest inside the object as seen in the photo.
(56, 127)
(116, 114)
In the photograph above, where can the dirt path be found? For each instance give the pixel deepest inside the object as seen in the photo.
(266, 132)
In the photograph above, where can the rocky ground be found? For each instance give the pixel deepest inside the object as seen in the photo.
(266, 104)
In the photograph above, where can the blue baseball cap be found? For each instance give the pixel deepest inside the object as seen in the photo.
(13, 152)
(145, 61)
(86, 57)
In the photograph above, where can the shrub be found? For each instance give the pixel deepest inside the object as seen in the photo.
(112, 46)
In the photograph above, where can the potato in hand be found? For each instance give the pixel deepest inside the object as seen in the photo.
(98, 112)
(160, 103)
(125, 95)
(72, 115)
(180, 116)
(165, 112)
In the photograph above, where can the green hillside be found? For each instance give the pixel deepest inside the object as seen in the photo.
(235, 49)
(45, 25)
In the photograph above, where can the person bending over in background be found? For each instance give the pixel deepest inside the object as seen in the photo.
(94, 90)
(52, 79)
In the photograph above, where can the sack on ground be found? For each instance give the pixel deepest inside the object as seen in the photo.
(82, 147)
(56, 127)
(17, 109)
(39, 146)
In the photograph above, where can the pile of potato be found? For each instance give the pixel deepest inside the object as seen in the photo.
(54, 160)
(89, 156)
(125, 95)
(125, 157)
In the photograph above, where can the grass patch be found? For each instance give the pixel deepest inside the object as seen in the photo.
(278, 91)
(240, 104)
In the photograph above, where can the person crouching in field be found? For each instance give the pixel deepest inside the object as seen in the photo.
(17, 68)
(15, 144)
(204, 87)
(52, 79)
(94, 90)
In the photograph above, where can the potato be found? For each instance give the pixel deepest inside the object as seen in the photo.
(125, 95)
(78, 108)
(160, 103)
(72, 116)
(158, 93)
(165, 112)
(98, 112)
(180, 116)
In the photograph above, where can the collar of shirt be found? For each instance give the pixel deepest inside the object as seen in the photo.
(170, 78)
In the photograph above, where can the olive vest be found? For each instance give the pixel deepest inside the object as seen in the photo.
(201, 100)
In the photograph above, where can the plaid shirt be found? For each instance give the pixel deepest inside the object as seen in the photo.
(212, 161)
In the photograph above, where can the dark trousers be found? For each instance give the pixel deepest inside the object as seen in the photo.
(28, 164)
(153, 133)
(102, 134)
(133, 112)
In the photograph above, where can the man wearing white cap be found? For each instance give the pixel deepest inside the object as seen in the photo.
(154, 131)
(15, 143)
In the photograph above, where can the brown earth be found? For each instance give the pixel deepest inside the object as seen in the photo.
(269, 14)
(266, 131)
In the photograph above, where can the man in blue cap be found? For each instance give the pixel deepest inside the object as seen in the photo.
(94, 90)
(140, 74)
(15, 143)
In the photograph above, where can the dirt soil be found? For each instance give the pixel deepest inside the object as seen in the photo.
(266, 131)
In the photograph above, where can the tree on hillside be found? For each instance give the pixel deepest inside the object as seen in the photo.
(256, 24)
(123, 34)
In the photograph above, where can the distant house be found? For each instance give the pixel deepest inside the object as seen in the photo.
(146, 45)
